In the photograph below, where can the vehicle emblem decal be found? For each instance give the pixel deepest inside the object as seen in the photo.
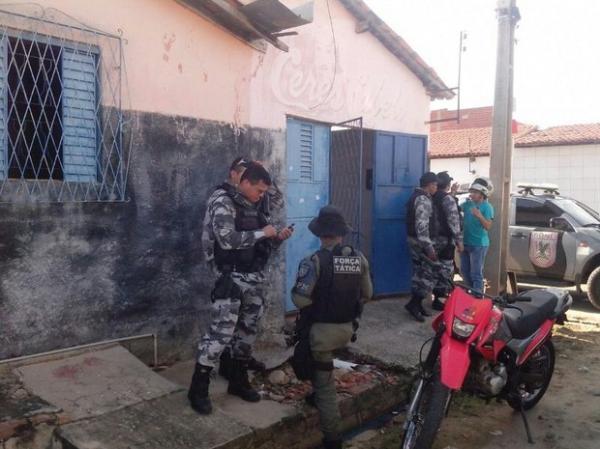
(542, 248)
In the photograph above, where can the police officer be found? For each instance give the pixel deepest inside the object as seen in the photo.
(271, 201)
(242, 240)
(331, 286)
(449, 237)
(422, 230)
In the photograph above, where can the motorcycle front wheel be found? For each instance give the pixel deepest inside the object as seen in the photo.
(534, 378)
(422, 428)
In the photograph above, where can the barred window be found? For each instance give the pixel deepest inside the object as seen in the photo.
(60, 111)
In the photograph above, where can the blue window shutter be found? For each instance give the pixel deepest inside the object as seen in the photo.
(80, 145)
(3, 107)
(306, 152)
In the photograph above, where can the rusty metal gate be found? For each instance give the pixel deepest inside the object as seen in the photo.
(346, 175)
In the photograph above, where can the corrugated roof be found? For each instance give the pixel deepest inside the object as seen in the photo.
(586, 134)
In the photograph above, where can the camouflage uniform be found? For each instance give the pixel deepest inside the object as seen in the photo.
(238, 299)
(425, 271)
(445, 245)
(273, 200)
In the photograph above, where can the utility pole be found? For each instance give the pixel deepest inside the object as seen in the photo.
(501, 154)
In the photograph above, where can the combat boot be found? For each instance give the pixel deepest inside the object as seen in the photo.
(423, 311)
(437, 304)
(414, 308)
(225, 365)
(239, 385)
(256, 365)
(198, 393)
(332, 444)
(438, 295)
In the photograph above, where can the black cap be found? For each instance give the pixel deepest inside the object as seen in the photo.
(428, 178)
(329, 223)
(444, 178)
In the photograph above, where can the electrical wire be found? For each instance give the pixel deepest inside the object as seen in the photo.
(335, 61)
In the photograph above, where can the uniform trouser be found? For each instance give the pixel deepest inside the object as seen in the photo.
(327, 338)
(445, 250)
(235, 320)
(444, 278)
(425, 272)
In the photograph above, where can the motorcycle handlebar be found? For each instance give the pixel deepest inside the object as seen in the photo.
(500, 300)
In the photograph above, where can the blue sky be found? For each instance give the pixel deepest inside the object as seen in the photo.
(557, 56)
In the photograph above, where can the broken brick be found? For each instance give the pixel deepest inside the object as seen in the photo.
(11, 428)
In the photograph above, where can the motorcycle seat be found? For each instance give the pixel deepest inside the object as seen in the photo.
(544, 299)
(524, 318)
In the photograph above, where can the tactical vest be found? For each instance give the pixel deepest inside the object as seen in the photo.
(247, 260)
(411, 216)
(336, 296)
(442, 217)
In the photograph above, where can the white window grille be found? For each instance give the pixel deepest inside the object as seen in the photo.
(61, 122)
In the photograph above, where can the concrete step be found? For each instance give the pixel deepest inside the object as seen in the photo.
(169, 423)
(163, 423)
(94, 383)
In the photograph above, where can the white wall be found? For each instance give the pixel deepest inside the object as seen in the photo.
(458, 167)
(575, 168)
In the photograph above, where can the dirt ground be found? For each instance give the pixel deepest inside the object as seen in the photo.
(568, 417)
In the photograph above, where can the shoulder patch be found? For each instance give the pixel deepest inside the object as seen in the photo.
(305, 279)
(303, 269)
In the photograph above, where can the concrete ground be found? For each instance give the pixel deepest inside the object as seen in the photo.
(390, 335)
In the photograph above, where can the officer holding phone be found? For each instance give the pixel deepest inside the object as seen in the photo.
(242, 239)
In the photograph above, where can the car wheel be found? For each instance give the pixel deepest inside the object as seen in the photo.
(593, 286)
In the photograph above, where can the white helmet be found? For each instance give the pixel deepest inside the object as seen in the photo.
(483, 185)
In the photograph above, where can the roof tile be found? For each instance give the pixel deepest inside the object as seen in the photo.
(561, 135)
(467, 142)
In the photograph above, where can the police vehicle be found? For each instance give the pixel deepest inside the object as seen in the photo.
(554, 238)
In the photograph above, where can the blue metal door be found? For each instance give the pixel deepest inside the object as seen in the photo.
(400, 160)
(307, 190)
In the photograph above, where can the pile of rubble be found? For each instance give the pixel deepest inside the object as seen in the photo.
(281, 384)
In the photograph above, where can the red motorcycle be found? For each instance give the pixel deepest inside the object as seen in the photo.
(492, 347)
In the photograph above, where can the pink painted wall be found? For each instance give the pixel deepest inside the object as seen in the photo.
(369, 82)
(178, 63)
